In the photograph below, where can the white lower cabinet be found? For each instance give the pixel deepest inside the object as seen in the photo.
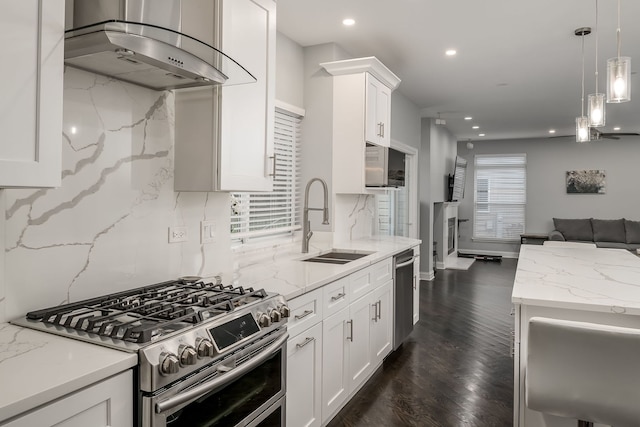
(382, 322)
(348, 335)
(304, 382)
(108, 403)
(416, 290)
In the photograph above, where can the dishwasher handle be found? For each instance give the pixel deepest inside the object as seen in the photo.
(404, 264)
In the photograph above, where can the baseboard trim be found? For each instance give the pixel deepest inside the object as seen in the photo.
(427, 276)
(494, 253)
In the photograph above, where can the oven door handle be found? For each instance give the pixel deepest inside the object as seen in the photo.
(226, 378)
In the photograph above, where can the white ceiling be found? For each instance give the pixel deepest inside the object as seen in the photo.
(518, 67)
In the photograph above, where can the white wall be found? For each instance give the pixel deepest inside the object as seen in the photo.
(289, 71)
(437, 157)
(548, 160)
(405, 120)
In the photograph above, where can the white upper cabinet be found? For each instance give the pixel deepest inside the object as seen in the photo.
(224, 135)
(31, 79)
(361, 114)
(378, 112)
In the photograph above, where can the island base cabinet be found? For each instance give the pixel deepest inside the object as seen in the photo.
(107, 403)
(304, 382)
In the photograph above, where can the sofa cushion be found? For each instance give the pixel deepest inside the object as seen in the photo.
(608, 230)
(574, 229)
(632, 229)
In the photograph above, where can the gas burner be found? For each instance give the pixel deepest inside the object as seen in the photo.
(145, 314)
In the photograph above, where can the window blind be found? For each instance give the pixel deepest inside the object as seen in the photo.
(276, 212)
(500, 197)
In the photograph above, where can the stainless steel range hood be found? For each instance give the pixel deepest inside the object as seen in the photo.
(142, 42)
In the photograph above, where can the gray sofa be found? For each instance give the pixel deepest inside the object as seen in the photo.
(605, 233)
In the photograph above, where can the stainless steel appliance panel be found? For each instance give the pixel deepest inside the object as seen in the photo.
(403, 296)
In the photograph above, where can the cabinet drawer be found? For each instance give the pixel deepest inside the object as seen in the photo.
(360, 283)
(306, 311)
(335, 296)
(381, 272)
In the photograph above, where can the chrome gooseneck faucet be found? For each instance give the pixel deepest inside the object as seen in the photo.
(306, 224)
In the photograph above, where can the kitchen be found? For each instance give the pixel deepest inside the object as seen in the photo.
(103, 230)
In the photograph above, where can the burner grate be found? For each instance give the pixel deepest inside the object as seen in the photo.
(144, 314)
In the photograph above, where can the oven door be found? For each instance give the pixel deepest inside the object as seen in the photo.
(245, 389)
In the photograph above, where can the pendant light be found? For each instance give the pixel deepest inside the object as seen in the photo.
(618, 73)
(596, 100)
(582, 122)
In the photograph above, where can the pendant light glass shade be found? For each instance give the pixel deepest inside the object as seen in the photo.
(596, 109)
(618, 82)
(582, 129)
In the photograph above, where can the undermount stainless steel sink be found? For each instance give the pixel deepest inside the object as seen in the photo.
(337, 256)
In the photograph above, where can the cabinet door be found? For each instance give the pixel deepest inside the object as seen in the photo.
(378, 111)
(304, 382)
(359, 343)
(247, 111)
(382, 322)
(335, 374)
(416, 290)
(107, 403)
(31, 79)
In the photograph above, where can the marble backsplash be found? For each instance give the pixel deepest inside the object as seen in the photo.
(106, 228)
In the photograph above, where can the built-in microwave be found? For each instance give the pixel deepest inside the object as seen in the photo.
(384, 167)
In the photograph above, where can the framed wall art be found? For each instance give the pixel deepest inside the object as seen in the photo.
(586, 182)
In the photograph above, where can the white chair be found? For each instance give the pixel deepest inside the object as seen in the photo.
(585, 371)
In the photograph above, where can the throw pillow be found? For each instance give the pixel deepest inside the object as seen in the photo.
(633, 231)
(608, 230)
(574, 229)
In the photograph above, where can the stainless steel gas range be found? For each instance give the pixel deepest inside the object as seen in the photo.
(208, 354)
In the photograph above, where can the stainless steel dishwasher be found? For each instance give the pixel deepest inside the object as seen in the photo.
(403, 296)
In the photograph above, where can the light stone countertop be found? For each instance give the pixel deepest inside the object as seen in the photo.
(291, 277)
(41, 367)
(37, 367)
(591, 279)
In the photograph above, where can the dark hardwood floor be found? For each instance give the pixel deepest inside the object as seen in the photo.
(455, 368)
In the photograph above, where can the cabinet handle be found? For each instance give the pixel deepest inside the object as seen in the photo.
(337, 297)
(273, 174)
(382, 127)
(350, 322)
(303, 315)
(414, 283)
(305, 342)
(379, 304)
(375, 311)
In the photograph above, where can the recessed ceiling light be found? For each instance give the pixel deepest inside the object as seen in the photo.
(616, 128)
(450, 52)
(552, 131)
(468, 118)
(481, 134)
(475, 127)
(348, 22)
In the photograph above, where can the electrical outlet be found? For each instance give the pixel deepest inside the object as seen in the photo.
(177, 234)
(207, 231)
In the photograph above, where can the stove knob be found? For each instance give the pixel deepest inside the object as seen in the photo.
(205, 348)
(275, 316)
(188, 355)
(169, 364)
(285, 311)
(264, 320)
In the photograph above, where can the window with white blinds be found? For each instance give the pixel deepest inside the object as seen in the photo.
(276, 212)
(500, 197)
